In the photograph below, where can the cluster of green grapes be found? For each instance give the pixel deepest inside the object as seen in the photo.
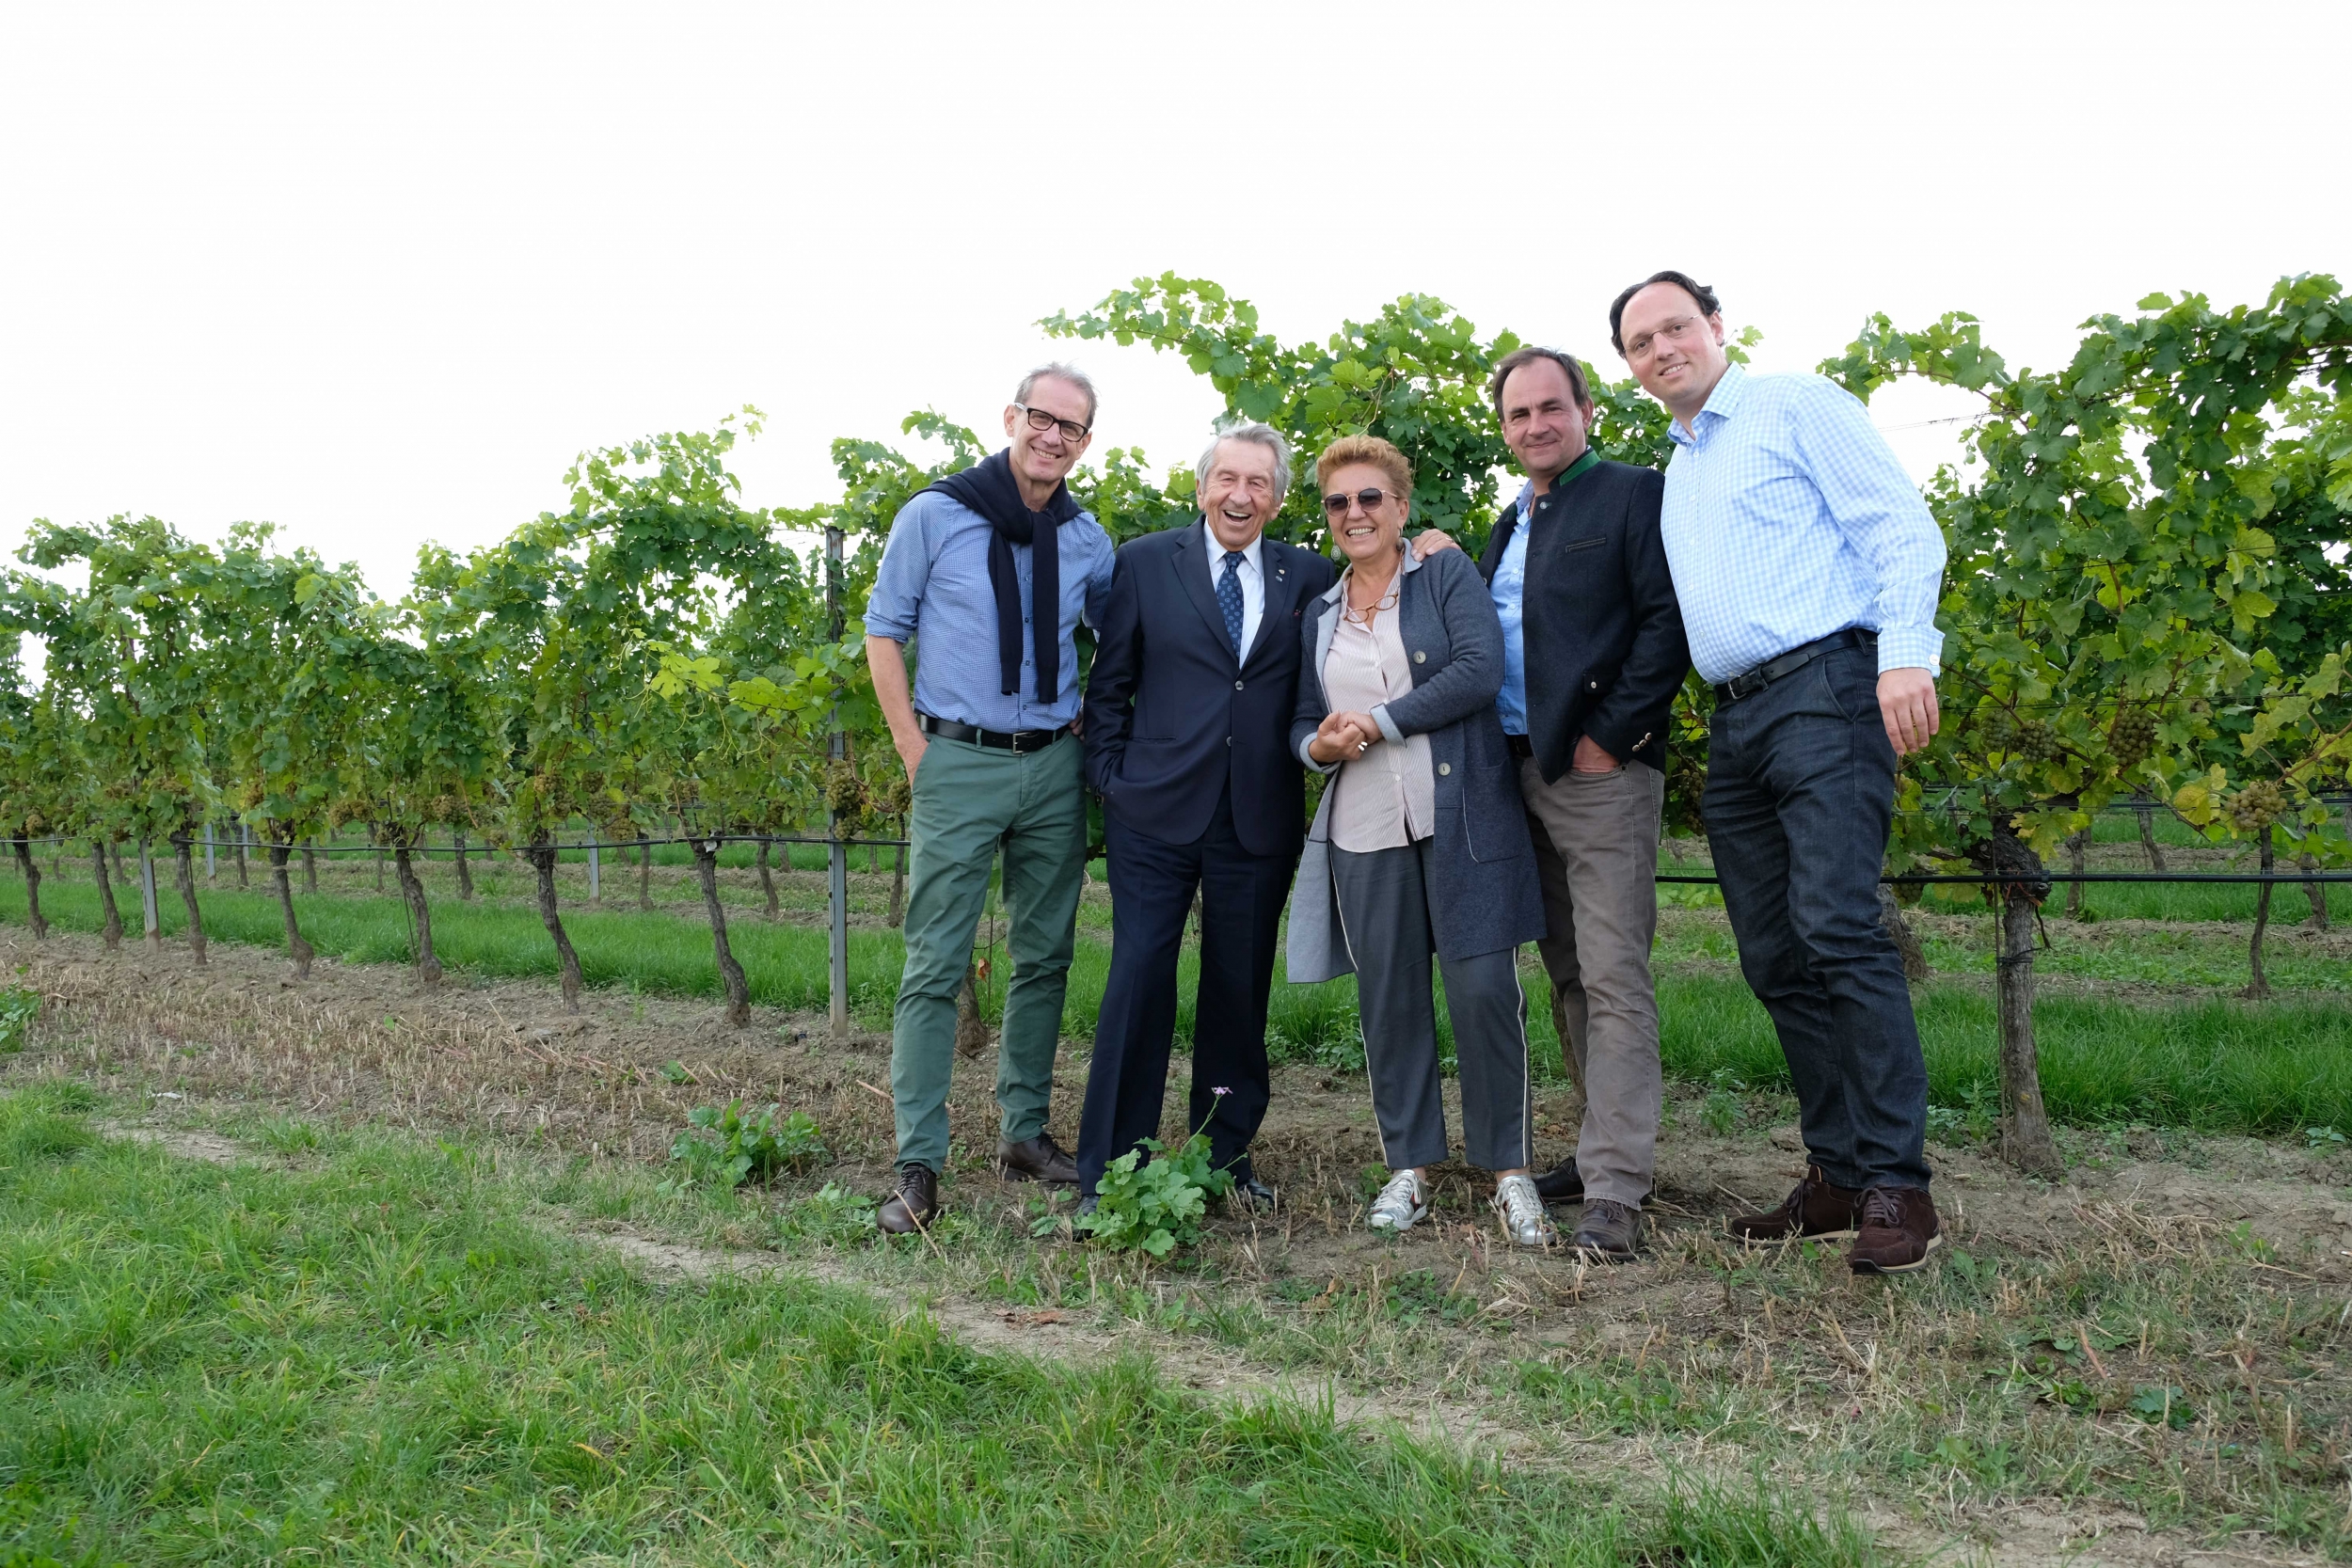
(2029, 738)
(2256, 806)
(2133, 737)
(852, 797)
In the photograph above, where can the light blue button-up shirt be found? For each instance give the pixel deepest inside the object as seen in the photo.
(932, 587)
(1509, 590)
(1786, 519)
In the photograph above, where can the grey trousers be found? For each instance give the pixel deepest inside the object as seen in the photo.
(1384, 914)
(1597, 851)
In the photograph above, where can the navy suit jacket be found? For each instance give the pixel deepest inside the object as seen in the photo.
(1172, 719)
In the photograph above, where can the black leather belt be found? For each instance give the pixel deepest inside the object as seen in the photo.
(1019, 742)
(1748, 683)
(1520, 745)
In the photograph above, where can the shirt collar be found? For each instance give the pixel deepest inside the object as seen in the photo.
(1216, 552)
(1724, 402)
(1527, 487)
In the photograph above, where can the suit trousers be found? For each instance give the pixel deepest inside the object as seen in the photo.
(1800, 796)
(1241, 913)
(1597, 851)
(1383, 910)
(970, 802)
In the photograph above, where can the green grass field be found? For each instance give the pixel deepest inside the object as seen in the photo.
(390, 1357)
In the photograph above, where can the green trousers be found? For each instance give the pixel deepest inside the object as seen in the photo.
(970, 800)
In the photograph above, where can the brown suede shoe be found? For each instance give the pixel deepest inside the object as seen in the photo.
(1562, 1183)
(1813, 1210)
(915, 1203)
(1899, 1230)
(1038, 1159)
(1608, 1232)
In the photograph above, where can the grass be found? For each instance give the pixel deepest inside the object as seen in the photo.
(2212, 1066)
(381, 1357)
(2207, 1064)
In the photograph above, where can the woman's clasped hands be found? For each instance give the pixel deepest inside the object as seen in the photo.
(1343, 737)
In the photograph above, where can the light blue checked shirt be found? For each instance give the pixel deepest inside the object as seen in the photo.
(1786, 519)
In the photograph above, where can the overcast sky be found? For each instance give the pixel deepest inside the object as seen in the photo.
(375, 273)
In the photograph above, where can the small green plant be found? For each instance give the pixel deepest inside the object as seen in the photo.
(2163, 1406)
(728, 1147)
(1156, 1207)
(675, 1073)
(1722, 1110)
(2323, 1138)
(19, 1006)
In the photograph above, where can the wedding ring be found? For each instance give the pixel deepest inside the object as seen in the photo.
(1362, 746)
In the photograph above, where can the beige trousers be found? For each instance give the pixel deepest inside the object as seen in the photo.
(1597, 850)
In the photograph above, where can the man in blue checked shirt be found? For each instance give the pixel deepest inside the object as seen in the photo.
(1807, 569)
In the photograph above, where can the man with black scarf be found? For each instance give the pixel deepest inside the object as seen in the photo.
(988, 573)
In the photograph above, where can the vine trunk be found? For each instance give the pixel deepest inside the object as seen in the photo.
(428, 966)
(738, 991)
(111, 929)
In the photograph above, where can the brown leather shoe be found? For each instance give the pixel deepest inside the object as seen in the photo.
(915, 1202)
(1813, 1210)
(1562, 1183)
(1610, 1232)
(1899, 1230)
(1038, 1159)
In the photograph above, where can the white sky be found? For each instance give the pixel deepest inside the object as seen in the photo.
(375, 273)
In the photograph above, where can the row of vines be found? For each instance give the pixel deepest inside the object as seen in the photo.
(2148, 598)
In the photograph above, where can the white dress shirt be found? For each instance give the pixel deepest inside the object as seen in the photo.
(1252, 583)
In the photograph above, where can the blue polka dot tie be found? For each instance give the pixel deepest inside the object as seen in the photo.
(1229, 598)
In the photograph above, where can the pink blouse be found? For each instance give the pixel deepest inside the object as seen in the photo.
(1388, 797)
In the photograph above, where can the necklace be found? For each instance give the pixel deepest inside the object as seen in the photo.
(1364, 615)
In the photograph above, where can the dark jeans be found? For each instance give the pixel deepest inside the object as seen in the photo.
(1241, 913)
(1800, 794)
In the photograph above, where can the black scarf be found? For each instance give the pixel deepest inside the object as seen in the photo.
(988, 488)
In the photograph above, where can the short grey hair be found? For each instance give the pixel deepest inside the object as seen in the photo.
(1259, 435)
(1060, 372)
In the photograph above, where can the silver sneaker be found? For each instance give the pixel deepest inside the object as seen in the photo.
(1520, 1208)
(1402, 1204)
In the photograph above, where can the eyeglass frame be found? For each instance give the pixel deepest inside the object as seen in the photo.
(1356, 498)
(1053, 419)
(1675, 330)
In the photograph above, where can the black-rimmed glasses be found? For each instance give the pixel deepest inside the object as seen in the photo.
(1336, 506)
(1041, 422)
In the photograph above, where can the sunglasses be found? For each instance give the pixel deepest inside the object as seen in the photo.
(1336, 506)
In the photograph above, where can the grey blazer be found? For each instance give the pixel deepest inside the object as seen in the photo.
(1484, 893)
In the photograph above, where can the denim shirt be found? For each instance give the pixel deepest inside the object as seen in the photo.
(932, 589)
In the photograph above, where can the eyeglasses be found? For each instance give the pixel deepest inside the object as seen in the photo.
(1673, 331)
(1041, 422)
(1336, 506)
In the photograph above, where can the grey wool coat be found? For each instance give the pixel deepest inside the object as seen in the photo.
(1484, 893)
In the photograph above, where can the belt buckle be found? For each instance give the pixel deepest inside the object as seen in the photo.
(1746, 684)
(1024, 743)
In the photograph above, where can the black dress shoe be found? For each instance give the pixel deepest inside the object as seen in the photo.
(915, 1203)
(1252, 1195)
(1038, 1159)
(1609, 1233)
(1562, 1183)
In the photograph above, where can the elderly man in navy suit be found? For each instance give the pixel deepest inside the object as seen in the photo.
(1187, 725)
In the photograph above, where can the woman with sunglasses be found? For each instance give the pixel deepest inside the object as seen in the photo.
(1420, 844)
